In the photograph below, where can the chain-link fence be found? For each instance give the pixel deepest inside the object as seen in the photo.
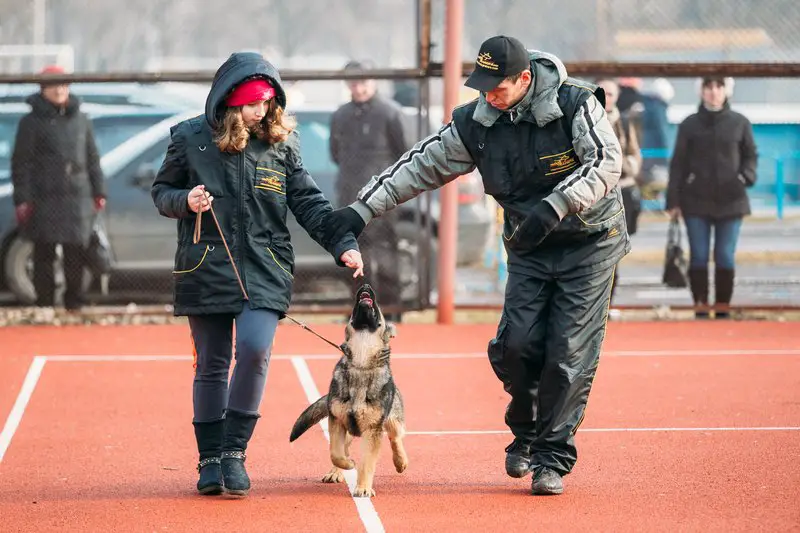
(131, 121)
(131, 130)
(189, 35)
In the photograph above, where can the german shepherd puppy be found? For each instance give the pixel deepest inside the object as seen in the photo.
(362, 399)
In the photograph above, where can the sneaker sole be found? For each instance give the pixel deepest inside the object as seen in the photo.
(237, 493)
(546, 492)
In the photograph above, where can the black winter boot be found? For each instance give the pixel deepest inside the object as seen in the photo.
(238, 430)
(698, 281)
(209, 445)
(723, 287)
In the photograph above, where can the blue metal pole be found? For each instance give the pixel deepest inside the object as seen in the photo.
(779, 186)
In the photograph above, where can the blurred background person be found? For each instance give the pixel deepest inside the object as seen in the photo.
(631, 160)
(653, 135)
(58, 187)
(367, 136)
(713, 164)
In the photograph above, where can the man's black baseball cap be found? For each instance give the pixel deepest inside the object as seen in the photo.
(498, 58)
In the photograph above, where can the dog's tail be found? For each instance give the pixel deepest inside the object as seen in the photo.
(313, 414)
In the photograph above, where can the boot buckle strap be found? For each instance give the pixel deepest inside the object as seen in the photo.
(207, 461)
(234, 455)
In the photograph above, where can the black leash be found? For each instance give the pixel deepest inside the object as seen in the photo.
(315, 333)
(196, 239)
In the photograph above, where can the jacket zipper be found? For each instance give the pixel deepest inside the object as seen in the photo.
(241, 218)
(716, 181)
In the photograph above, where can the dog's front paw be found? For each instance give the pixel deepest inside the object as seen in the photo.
(363, 492)
(334, 476)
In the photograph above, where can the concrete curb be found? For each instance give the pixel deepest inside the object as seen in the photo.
(157, 315)
(750, 257)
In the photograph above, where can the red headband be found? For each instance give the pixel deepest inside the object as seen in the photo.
(249, 92)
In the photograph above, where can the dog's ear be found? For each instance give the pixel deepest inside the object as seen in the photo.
(389, 332)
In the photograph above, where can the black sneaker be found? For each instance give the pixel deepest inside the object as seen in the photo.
(546, 481)
(518, 459)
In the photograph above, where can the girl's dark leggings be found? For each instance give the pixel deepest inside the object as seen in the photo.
(213, 336)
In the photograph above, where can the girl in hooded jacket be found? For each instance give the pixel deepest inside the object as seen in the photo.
(241, 159)
(713, 164)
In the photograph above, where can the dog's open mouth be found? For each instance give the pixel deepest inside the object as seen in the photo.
(365, 298)
(366, 314)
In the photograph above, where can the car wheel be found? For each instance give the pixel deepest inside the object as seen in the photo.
(18, 268)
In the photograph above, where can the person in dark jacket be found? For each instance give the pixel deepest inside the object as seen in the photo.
(631, 161)
(548, 154)
(58, 188)
(713, 164)
(241, 159)
(367, 134)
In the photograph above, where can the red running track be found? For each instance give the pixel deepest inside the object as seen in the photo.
(108, 445)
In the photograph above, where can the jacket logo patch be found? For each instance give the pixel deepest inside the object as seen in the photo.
(270, 182)
(557, 163)
(613, 232)
(485, 61)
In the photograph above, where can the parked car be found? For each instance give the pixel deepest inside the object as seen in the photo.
(144, 243)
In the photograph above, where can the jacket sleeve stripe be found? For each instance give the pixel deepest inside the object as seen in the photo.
(394, 169)
(598, 146)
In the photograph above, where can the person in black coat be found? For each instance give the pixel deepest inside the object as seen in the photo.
(367, 135)
(241, 159)
(58, 187)
(713, 165)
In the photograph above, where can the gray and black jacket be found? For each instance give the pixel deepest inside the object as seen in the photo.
(556, 145)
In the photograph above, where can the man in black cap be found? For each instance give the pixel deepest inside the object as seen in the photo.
(548, 154)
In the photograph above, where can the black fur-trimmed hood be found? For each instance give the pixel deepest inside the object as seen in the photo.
(239, 67)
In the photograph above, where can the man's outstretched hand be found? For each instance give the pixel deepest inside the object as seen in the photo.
(342, 221)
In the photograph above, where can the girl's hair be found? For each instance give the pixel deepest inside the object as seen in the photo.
(232, 134)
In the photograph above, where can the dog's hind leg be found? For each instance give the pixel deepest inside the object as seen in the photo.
(339, 446)
(396, 429)
(371, 447)
(335, 475)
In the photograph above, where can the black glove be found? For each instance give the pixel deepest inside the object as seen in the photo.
(538, 225)
(341, 221)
